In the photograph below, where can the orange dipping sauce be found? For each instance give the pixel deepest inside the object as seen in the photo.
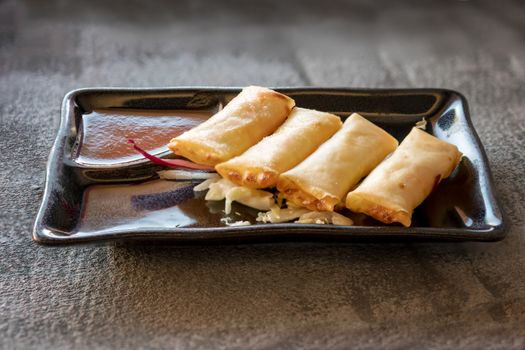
(104, 133)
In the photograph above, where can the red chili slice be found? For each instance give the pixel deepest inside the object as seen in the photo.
(172, 163)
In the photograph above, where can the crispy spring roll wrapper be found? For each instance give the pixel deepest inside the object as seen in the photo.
(325, 177)
(398, 185)
(253, 114)
(300, 135)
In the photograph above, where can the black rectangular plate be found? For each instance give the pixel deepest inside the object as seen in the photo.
(90, 203)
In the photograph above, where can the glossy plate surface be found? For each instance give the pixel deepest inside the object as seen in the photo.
(94, 195)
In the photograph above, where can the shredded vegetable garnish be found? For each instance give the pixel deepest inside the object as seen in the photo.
(422, 124)
(324, 217)
(224, 189)
(277, 215)
(228, 222)
(205, 185)
(186, 175)
(172, 163)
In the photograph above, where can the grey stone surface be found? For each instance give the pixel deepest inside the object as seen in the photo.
(337, 296)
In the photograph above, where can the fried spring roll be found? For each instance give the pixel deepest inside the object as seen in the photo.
(398, 185)
(321, 180)
(300, 135)
(253, 114)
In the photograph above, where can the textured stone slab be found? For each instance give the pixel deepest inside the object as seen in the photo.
(336, 296)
